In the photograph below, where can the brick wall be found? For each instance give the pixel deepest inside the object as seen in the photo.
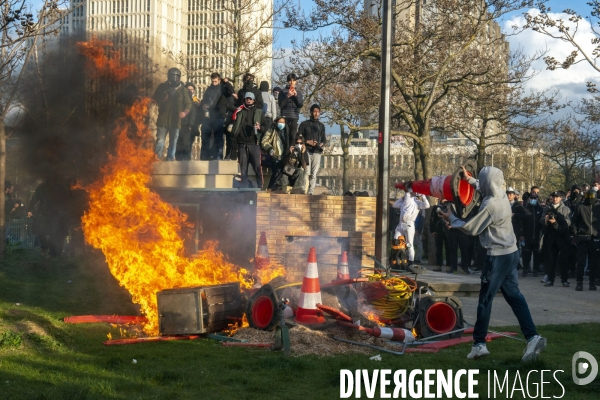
(332, 224)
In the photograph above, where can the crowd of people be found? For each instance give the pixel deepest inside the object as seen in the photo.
(254, 125)
(556, 236)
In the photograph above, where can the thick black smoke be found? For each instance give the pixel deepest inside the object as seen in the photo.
(69, 115)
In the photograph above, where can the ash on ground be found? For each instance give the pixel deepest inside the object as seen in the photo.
(306, 341)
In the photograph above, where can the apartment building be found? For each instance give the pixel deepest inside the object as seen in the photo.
(198, 36)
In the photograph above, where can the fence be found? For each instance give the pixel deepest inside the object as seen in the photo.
(20, 231)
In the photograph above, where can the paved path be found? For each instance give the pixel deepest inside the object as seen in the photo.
(548, 305)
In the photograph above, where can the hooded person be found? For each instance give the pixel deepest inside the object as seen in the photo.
(585, 226)
(493, 225)
(409, 207)
(249, 86)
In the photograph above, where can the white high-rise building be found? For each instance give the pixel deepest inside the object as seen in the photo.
(197, 34)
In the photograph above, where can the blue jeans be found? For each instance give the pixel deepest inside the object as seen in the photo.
(500, 272)
(161, 134)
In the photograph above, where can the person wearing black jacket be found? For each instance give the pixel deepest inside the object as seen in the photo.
(290, 102)
(573, 201)
(518, 213)
(293, 168)
(313, 132)
(585, 226)
(556, 223)
(249, 86)
(248, 128)
(438, 229)
(532, 229)
(189, 126)
(213, 110)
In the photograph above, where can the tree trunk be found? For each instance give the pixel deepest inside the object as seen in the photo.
(417, 170)
(2, 179)
(481, 154)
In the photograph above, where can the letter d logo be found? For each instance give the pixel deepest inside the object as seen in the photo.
(582, 367)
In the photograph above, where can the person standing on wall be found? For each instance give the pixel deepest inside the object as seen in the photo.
(174, 103)
(313, 132)
(290, 102)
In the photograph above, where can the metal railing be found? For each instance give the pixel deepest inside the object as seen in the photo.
(20, 231)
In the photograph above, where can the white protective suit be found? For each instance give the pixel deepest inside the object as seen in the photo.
(409, 210)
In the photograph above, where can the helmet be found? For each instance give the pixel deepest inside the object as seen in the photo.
(590, 195)
(174, 75)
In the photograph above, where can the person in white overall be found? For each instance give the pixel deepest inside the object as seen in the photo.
(409, 207)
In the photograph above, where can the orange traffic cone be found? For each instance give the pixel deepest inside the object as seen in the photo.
(310, 293)
(342, 271)
(262, 253)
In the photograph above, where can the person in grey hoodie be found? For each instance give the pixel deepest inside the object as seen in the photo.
(493, 224)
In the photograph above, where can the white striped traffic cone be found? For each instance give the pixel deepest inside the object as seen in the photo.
(342, 271)
(310, 293)
(261, 259)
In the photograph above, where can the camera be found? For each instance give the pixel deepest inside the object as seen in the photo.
(298, 148)
(551, 215)
(443, 209)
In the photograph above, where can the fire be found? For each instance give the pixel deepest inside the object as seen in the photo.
(371, 316)
(139, 233)
(265, 273)
(102, 65)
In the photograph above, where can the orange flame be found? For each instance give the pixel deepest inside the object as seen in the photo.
(139, 233)
(105, 64)
(371, 316)
(267, 271)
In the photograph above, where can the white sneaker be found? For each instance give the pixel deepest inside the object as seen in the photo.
(478, 350)
(544, 279)
(534, 348)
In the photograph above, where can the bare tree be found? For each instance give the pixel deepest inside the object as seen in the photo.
(239, 40)
(20, 29)
(438, 47)
(563, 144)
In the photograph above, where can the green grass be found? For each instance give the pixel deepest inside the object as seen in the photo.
(43, 358)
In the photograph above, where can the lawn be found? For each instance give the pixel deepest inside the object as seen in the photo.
(43, 358)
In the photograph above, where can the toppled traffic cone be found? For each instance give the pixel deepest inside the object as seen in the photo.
(310, 293)
(262, 253)
(393, 334)
(342, 272)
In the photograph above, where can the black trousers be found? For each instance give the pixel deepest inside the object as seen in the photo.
(292, 128)
(441, 244)
(557, 253)
(212, 127)
(587, 251)
(456, 240)
(531, 250)
(250, 154)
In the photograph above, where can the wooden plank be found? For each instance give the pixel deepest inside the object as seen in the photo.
(215, 308)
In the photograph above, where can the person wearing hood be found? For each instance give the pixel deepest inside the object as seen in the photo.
(276, 144)
(249, 86)
(275, 92)
(409, 207)
(493, 224)
(556, 241)
(270, 104)
(585, 227)
(174, 104)
(532, 230)
(213, 110)
(290, 102)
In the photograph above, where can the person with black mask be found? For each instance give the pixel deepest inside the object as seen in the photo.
(585, 226)
(174, 103)
(247, 130)
(249, 86)
(293, 168)
(573, 201)
(313, 132)
(532, 229)
(212, 116)
(276, 144)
